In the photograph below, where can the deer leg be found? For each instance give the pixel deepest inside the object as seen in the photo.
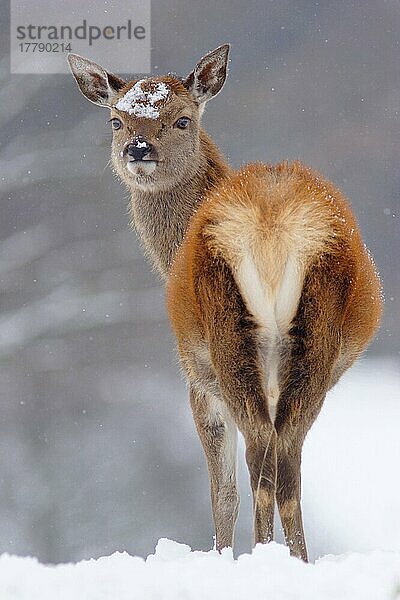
(218, 435)
(240, 381)
(297, 409)
(242, 389)
(261, 462)
(299, 404)
(288, 496)
(234, 350)
(314, 346)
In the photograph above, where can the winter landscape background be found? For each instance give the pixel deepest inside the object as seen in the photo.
(97, 447)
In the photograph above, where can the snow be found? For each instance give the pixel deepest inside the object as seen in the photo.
(175, 572)
(141, 102)
(351, 482)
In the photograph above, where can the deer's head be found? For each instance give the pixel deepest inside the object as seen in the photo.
(155, 120)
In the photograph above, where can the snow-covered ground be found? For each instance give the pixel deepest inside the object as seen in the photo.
(176, 573)
(351, 459)
(351, 503)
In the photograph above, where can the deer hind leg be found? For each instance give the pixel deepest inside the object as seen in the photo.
(288, 496)
(234, 350)
(218, 435)
(306, 373)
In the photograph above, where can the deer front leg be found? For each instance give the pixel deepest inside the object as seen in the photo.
(218, 435)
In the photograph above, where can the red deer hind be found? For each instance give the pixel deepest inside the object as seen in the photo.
(271, 292)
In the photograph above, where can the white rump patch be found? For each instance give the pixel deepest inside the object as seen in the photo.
(273, 309)
(141, 103)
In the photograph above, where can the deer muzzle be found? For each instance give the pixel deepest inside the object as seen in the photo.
(139, 149)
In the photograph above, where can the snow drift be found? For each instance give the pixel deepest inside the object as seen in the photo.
(174, 572)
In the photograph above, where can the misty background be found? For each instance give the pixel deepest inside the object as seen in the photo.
(98, 451)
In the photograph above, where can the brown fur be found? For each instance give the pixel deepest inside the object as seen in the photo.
(270, 291)
(273, 212)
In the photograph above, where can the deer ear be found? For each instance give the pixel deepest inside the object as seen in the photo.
(209, 75)
(94, 82)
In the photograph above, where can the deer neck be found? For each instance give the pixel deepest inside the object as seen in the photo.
(162, 218)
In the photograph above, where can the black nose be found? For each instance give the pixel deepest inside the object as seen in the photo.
(138, 149)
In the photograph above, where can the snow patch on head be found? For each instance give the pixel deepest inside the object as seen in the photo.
(141, 102)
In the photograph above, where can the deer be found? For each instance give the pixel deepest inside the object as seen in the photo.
(270, 291)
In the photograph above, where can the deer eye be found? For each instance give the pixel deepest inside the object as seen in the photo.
(182, 123)
(116, 123)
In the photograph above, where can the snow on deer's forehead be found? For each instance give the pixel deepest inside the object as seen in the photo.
(141, 102)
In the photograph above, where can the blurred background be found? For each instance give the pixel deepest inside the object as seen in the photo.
(98, 451)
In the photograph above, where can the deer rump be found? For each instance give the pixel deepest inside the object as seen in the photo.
(270, 225)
